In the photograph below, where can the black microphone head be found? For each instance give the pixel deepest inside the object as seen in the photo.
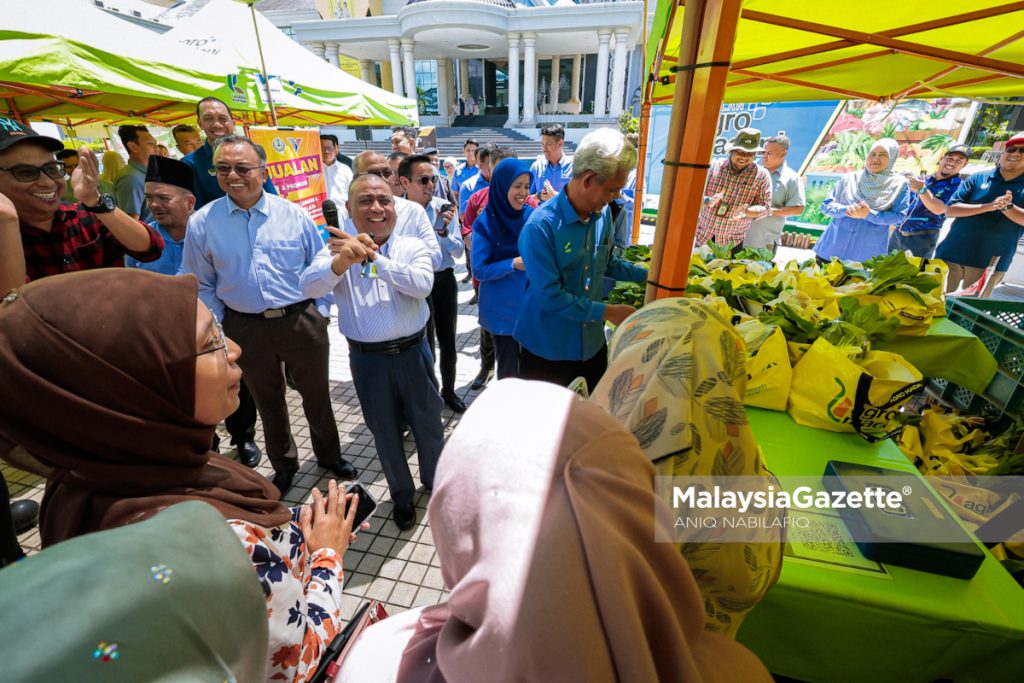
(330, 210)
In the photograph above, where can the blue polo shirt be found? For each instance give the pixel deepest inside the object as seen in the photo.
(920, 218)
(974, 240)
(558, 174)
(467, 189)
(206, 187)
(566, 260)
(170, 258)
(462, 174)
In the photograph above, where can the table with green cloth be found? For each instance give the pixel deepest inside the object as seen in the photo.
(947, 352)
(836, 616)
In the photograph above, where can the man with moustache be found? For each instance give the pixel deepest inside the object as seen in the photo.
(248, 250)
(737, 192)
(384, 321)
(170, 199)
(63, 238)
(920, 232)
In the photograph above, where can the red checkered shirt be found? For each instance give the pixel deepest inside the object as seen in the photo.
(78, 241)
(750, 187)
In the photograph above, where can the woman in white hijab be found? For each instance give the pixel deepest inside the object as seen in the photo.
(544, 516)
(864, 205)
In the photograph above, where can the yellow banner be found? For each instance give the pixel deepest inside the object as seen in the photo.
(295, 166)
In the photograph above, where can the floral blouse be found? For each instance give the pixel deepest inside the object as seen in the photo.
(303, 592)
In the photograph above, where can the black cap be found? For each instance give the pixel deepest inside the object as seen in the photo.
(13, 132)
(960, 149)
(170, 171)
(430, 150)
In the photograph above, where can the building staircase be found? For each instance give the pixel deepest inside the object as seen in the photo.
(451, 140)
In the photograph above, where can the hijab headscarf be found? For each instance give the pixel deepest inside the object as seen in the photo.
(502, 222)
(676, 381)
(546, 540)
(172, 598)
(97, 371)
(878, 190)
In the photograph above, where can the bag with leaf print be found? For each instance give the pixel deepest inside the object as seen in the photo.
(676, 379)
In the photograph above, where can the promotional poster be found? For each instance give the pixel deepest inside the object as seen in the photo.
(295, 166)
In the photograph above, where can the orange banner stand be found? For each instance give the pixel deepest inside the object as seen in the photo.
(295, 166)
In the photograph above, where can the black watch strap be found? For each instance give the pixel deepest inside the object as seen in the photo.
(105, 204)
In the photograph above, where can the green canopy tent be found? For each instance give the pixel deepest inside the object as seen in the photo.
(75, 64)
(705, 52)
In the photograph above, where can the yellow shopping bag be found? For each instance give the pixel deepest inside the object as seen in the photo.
(832, 392)
(769, 374)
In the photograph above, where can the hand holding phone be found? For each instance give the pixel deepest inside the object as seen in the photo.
(365, 505)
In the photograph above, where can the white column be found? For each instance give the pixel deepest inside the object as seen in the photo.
(577, 67)
(367, 72)
(409, 67)
(529, 77)
(601, 89)
(396, 68)
(464, 80)
(331, 53)
(316, 48)
(555, 62)
(444, 96)
(513, 80)
(619, 73)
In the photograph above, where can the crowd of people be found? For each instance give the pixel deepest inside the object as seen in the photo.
(875, 210)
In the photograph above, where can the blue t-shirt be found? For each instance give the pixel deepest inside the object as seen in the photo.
(974, 240)
(558, 174)
(170, 259)
(462, 174)
(921, 219)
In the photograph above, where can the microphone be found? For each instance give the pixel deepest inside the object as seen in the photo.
(330, 210)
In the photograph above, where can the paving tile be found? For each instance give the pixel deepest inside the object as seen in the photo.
(403, 594)
(413, 573)
(380, 589)
(391, 568)
(426, 597)
(432, 579)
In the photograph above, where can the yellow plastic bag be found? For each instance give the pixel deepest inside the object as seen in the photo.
(830, 391)
(940, 270)
(769, 374)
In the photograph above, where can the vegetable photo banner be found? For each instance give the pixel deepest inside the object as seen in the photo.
(295, 166)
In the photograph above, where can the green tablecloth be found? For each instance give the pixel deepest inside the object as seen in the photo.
(948, 352)
(836, 617)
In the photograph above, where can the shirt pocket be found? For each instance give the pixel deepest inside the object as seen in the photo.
(285, 255)
(87, 255)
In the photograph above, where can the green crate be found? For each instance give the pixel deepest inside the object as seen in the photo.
(1000, 327)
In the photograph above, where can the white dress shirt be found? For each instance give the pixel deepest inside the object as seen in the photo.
(338, 177)
(452, 246)
(378, 310)
(410, 220)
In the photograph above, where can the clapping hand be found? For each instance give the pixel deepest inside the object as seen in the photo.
(85, 181)
(858, 210)
(1000, 203)
(915, 182)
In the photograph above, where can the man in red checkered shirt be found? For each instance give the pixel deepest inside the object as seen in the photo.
(56, 237)
(737, 192)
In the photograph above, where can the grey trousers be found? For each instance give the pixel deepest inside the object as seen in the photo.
(299, 340)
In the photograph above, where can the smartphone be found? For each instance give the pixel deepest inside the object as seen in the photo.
(366, 503)
(440, 222)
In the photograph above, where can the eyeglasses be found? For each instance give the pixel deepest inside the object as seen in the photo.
(1014, 150)
(225, 170)
(426, 180)
(25, 173)
(383, 173)
(219, 338)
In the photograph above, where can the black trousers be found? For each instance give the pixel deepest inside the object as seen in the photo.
(444, 314)
(506, 351)
(241, 424)
(10, 551)
(563, 372)
(487, 352)
(300, 341)
(395, 390)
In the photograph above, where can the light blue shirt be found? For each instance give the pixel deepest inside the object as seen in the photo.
(452, 246)
(461, 175)
(858, 239)
(558, 174)
(251, 261)
(169, 262)
(566, 261)
(377, 310)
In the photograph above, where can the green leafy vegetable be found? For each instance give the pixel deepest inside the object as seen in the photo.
(876, 327)
(631, 293)
(892, 270)
(755, 254)
(795, 327)
(637, 253)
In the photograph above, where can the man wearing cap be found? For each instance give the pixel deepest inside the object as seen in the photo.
(337, 175)
(169, 196)
(989, 211)
(215, 120)
(247, 250)
(920, 232)
(61, 238)
(788, 197)
(737, 192)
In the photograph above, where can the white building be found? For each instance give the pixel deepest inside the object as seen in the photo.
(520, 63)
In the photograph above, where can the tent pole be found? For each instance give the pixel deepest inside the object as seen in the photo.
(645, 117)
(263, 64)
(708, 35)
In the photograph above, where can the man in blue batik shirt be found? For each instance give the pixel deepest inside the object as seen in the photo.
(169, 196)
(566, 247)
(920, 232)
(215, 120)
(553, 168)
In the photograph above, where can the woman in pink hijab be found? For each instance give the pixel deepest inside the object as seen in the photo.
(544, 521)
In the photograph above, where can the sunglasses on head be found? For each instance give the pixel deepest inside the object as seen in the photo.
(26, 173)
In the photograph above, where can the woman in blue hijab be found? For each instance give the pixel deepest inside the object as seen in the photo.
(496, 260)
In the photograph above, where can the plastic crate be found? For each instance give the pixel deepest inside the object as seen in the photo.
(1000, 327)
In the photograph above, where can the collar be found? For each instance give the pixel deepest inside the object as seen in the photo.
(558, 164)
(260, 205)
(566, 211)
(137, 166)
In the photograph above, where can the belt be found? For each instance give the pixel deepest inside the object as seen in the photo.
(391, 348)
(908, 233)
(271, 313)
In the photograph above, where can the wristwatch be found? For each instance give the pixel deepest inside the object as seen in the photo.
(923, 190)
(104, 205)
